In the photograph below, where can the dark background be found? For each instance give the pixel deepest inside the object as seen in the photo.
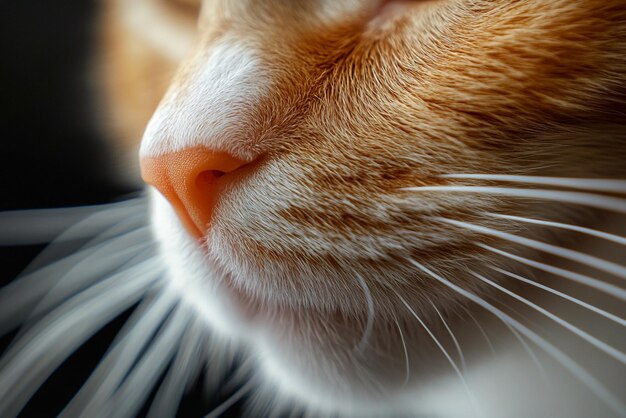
(51, 153)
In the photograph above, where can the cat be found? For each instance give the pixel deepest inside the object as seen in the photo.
(385, 208)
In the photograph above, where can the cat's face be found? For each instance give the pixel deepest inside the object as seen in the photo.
(291, 131)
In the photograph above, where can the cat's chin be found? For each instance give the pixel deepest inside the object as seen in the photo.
(200, 283)
(314, 371)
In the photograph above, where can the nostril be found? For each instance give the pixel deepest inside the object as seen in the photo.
(208, 178)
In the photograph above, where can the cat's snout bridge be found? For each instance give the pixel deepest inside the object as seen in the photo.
(189, 181)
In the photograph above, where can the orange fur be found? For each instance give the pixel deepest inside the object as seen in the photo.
(360, 110)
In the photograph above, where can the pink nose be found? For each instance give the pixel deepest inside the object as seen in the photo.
(188, 180)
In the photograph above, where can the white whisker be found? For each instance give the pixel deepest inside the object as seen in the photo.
(599, 285)
(228, 403)
(578, 302)
(61, 248)
(122, 354)
(136, 222)
(445, 353)
(136, 388)
(599, 185)
(600, 345)
(19, 298)
(454, 340)
(583, 375)
(407, 366)
(63, 330)
(187, 361)
(576, 256)
(480, 329)
(528, 349)
(609, 203)
(367, 332)
(73, 282)
(40, 226)
(588, 231)
(531, 353)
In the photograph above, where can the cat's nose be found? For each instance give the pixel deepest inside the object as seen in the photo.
(189, 181)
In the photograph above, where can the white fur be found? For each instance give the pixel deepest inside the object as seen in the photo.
(211, 108)
(188, 273)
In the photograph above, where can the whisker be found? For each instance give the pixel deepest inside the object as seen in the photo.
(576, 256)
(601, 185)
(233, 399)
(407, 366)
(599, 285)
(40, 226)
(224, 360)
(454, 340)
(136, 388)
(122, 354)
(66, 244)
(528, 349)
(609, 203)
(565, 296)
(64, 289)
(367, 332)
(445, 353)
(579, 372)
(63, 330)
(123, 226)
(19, 298)
(600, 345)
(480, 328)
(187, 361)
(588, 231)
(72, 282)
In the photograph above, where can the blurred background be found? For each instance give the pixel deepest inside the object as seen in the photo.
(53, 153)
